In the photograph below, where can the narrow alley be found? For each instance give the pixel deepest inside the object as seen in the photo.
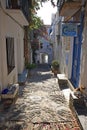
(41, 105)
(43, 64)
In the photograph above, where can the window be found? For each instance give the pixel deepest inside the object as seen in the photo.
(13, 4)
(10, 54)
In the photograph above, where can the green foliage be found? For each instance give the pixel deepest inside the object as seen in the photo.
(30, 66)
(36, 22)
(52, 1)
(55, 64)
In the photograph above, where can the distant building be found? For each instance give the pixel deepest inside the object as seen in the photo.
(45, 53)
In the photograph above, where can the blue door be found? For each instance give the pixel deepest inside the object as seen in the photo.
(76, 59)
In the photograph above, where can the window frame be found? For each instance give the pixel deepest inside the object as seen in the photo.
(10, 56)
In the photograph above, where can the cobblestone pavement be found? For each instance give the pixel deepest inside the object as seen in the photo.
(40, 106)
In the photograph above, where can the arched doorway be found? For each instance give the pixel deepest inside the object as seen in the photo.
(44, 58)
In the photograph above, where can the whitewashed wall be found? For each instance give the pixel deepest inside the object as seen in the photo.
(8, 28)
(47, 49)
(83, 80)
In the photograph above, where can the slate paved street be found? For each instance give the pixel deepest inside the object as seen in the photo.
(40, 105)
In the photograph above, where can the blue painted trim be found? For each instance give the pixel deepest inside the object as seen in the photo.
(77, 47)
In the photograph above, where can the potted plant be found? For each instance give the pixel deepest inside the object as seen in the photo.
(29, 67)
(55, 67)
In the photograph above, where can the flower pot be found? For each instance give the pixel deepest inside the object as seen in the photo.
(55, 71)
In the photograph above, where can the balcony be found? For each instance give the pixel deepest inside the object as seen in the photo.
(68, 8)
(19, 10)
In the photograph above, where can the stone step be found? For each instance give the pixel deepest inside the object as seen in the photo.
(62, 79)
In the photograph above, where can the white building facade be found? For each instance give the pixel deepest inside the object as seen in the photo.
(45, 53)
(62, 46)
(11, 43)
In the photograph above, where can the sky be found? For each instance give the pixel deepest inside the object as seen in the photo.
(46, 12)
